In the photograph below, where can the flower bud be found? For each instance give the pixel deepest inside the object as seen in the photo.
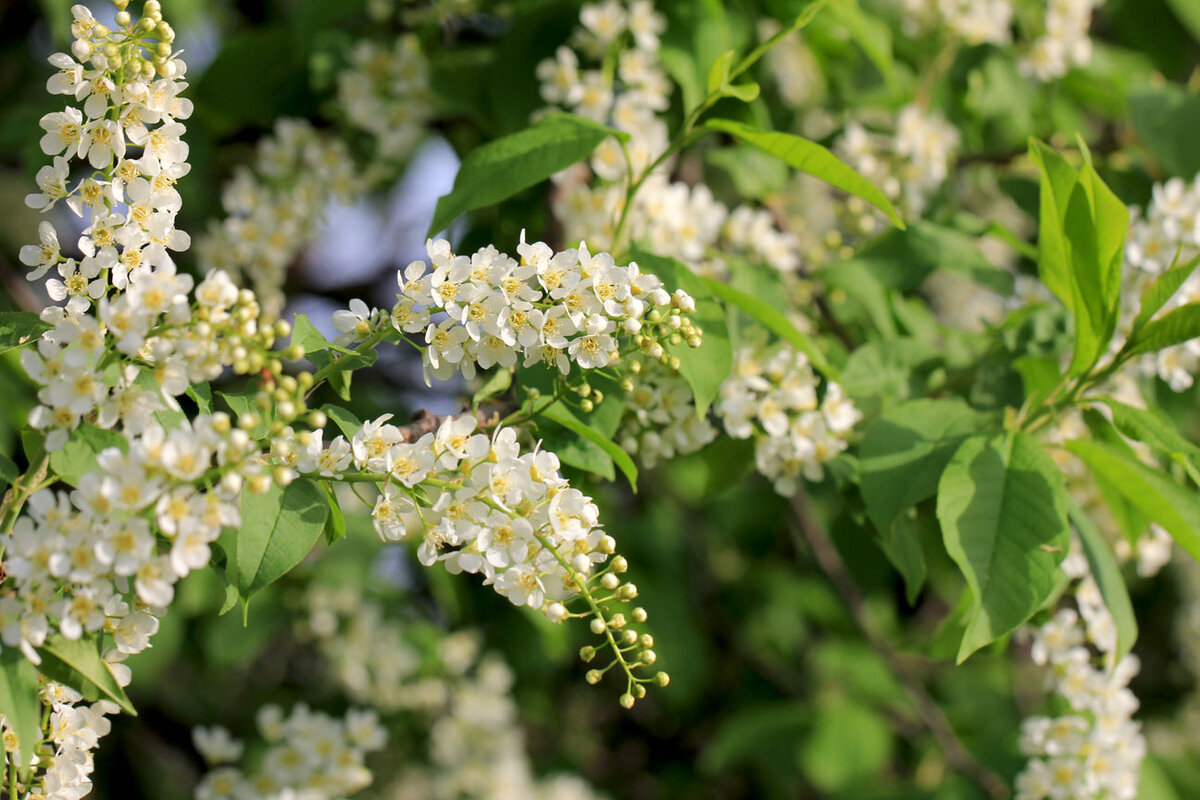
(649, 657)
(259, 484)
(317, 419)
(662, 679)
(581, 563)
(555, 612)
(646, 641)
(587, 653)
(639, 691)
(593, 676)
(639, 614)
(619, 564)
(597, 625)
(610, 581)
(627, 700)
(283, 475)
(629, 636)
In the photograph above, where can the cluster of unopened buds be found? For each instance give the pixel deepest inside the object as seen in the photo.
(563, 308)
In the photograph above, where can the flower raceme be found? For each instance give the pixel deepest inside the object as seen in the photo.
(477, 504)
(564, 308)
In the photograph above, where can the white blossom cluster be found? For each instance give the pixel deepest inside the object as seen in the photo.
(563, 308)
(908, 166)
(311, 756)
(462, 697)
(1095, 750)
(385, 92)
(772, 397)
(660, 419)
(1169, 225)
(669, 217)
(63, 770)
(276, 206)
(1064, 42)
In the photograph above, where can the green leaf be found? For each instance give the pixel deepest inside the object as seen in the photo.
(849, 743)
(883, 373)
(243, 402)
(705, 367)
(305, 334)
(1151, 428)
(774, 321)
(279, 528)
(1164, 118)
(496, 384)
(799, 23)
(718, 73)
(77, 663)
(1162, 290)
(19, 328)
(1175, 327)
(201, 394)
(1003, 511)
(335, 523)
(78, 456)
(812, 158)
(345, 365)
(505, 166)
(870, 33)
(8, 471)
(1108, 578)
(557, 412)
(1157, 496)
(905, 451)
(1057, 182)
(345, 420)
(19, 703)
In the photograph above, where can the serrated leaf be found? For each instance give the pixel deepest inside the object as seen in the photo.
(1162, 290)
(1175, 327)
(305, 334)
(279, 528)
(69, 661)
(775, 322)
(905, 451)
(557, 412)
(1149, 490)
(505, 166)
(78, 456)
(19, 703)
(19, 328)
(705, 367)
(812, 158)
(1108, 579)
(347, 423)
(1002, 506)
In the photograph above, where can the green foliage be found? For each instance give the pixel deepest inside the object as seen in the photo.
(812, 158)
(78, 456)
(1003, 510)
(505, 166)
(77, 663)
(19, 703)
(19, 328)
(1108, 578)
(279, 528)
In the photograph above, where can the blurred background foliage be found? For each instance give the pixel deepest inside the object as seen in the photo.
(776, 693)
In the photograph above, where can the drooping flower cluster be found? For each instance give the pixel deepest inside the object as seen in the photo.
(1170, 225)
(563, 308)
(909, 165)
(477, 504)
(276, 206)
(772, 397)
(670, 218)
(311, 756)
(385, 92)
(660, 419)
(1093, 752)
(75, 729)
(404, 669)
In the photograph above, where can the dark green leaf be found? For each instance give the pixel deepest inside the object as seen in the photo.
(346, 421)
(279, 528)
(496, 384)
(19, 328)
(557, 412)
(305, 334)
(19, 703)
(78, 456)
(8, 472)
(705, 367)
(1155, 494)
(812, 158)
(849, 743)
(505, 166)
(1003, 511)
(1165, 118)
(77, 663)
(905, 451)
(1108, 578)
(335, 524)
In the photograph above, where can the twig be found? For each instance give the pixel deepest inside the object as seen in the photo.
(931, 714)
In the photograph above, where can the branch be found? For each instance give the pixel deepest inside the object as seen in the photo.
(931, 714)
